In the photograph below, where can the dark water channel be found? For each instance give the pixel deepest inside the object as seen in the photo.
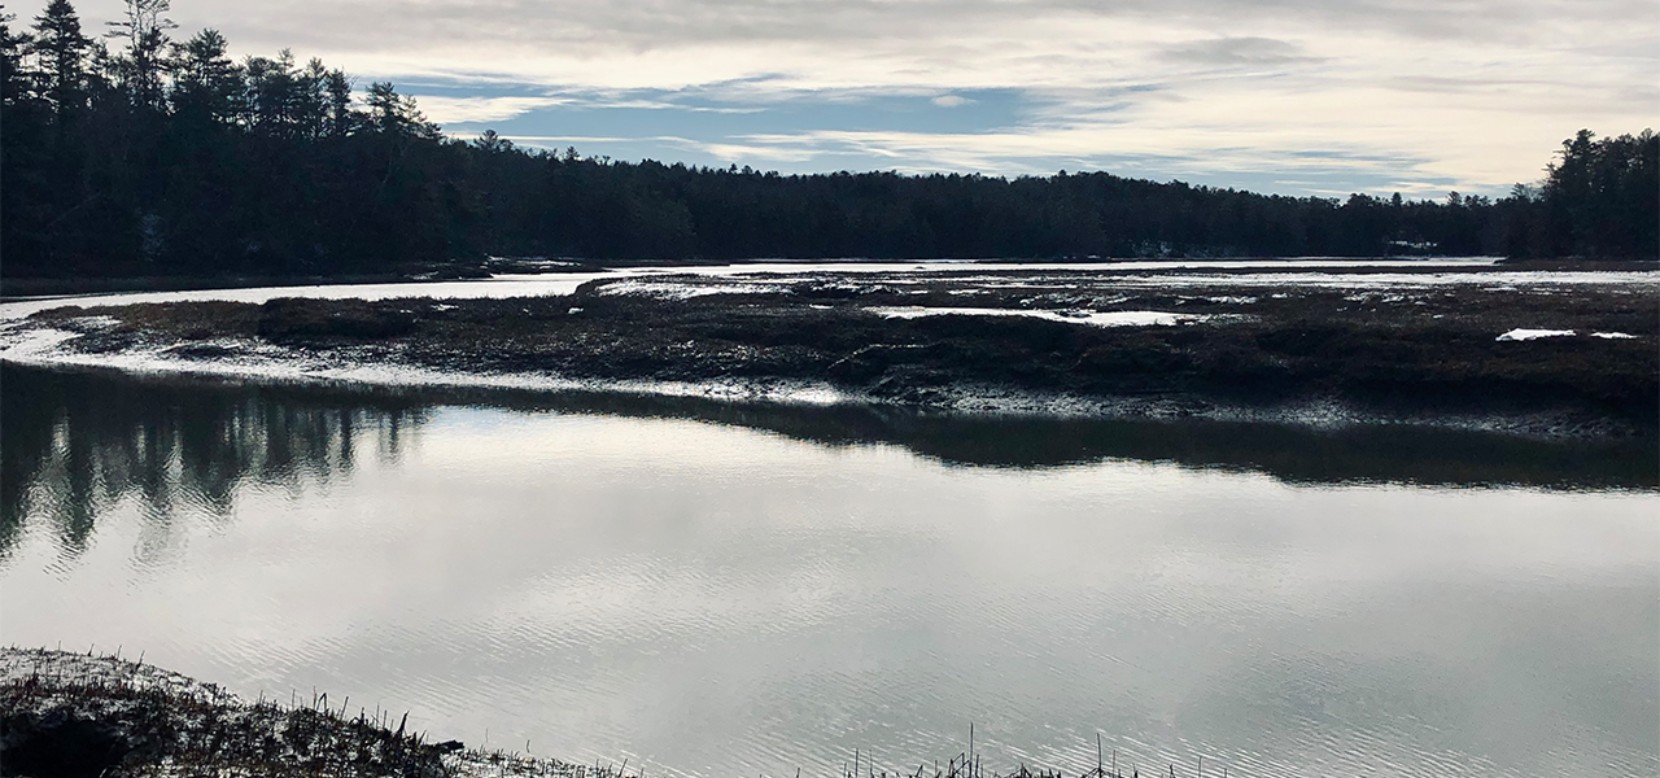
(717, 590)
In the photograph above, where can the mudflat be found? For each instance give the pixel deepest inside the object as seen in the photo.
(1551, 352)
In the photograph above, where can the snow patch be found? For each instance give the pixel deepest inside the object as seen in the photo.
(1614, 335)
(93, 322)
(1527, 334)
(1093, 318)
(664, 290)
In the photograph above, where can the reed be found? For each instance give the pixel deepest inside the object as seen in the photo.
(72, 713)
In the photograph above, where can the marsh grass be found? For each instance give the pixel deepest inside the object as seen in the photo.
(1415, 354)
(78, 714)
(88, 714)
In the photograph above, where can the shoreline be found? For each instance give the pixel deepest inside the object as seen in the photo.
(24, 288)
(1293, 453)
(66, 713)
(961, 401)
(73, 714)
(1230, 347)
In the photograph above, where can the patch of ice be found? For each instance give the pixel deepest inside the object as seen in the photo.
(668, 290)
(994, 275)
(1614, 335)
(261, 361)
(1093, 318)
(95, 322)
(1363, 281)
(1527, 334)
(444, 307)
(1366, 297)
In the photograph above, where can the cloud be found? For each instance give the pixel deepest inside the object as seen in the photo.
(444, 109)
(950, 101)
(1477, 92)
(1252, 51)
(737, 152)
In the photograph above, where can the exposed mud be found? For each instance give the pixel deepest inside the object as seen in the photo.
(1402, 347)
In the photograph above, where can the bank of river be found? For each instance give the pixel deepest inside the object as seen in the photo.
(1550, 353)
(67, 715)
(1293, 520)
(710, 589)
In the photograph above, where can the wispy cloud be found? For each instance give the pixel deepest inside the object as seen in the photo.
(445, 109)
(1228, 52)
(1474, 93)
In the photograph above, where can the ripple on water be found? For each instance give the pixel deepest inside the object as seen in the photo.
(716, 601)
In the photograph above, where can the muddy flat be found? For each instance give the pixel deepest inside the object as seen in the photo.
(1554, 351)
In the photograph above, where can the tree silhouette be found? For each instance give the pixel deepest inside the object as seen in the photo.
(172, 159)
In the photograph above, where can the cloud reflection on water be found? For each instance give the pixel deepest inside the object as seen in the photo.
(780, 586)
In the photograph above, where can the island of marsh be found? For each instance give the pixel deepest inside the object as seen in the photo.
(1540, 352)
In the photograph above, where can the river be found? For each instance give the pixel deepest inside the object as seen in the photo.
(714, 590)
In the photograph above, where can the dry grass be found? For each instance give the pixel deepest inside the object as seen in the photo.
(82, 714)
(1411, 354)
(74, 714)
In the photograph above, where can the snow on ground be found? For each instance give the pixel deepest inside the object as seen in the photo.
(547, 285)
(271, 362)
(38, 681)
(1527, 334)
(1391, 281)
(20, 664)
(1093, 318)
(684, 291)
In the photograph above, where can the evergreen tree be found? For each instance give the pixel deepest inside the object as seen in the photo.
(143, 64)
(173, 159)
(15, 88)
(62, 51)
(342, 118)
(207, 85)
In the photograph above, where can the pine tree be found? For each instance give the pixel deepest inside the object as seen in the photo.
(206, 83)
(62, 50)
(343, 120)
(144, 62)
(14, 79)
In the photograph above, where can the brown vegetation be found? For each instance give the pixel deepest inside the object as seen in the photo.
(1420, 354)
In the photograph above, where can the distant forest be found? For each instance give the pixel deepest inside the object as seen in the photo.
(137, 153)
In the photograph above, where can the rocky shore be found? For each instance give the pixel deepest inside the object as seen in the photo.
(1551, 354)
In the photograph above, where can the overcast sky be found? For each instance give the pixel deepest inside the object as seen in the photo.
(1293, 96)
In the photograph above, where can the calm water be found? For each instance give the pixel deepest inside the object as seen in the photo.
(717, 590)
(1312, 271)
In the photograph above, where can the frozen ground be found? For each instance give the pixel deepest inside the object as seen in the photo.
(534, 285)
(1451, 343)
(72, 713)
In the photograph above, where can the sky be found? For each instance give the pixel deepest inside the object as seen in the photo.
(1299, 97)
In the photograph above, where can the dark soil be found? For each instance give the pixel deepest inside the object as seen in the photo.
(1415, 354)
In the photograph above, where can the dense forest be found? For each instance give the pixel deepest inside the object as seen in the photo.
(142, 153)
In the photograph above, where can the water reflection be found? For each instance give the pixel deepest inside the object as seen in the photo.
(77, 444)
(711, 600)
(93, 440)
(1295, 454)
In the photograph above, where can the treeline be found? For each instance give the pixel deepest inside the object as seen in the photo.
(135, 153)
